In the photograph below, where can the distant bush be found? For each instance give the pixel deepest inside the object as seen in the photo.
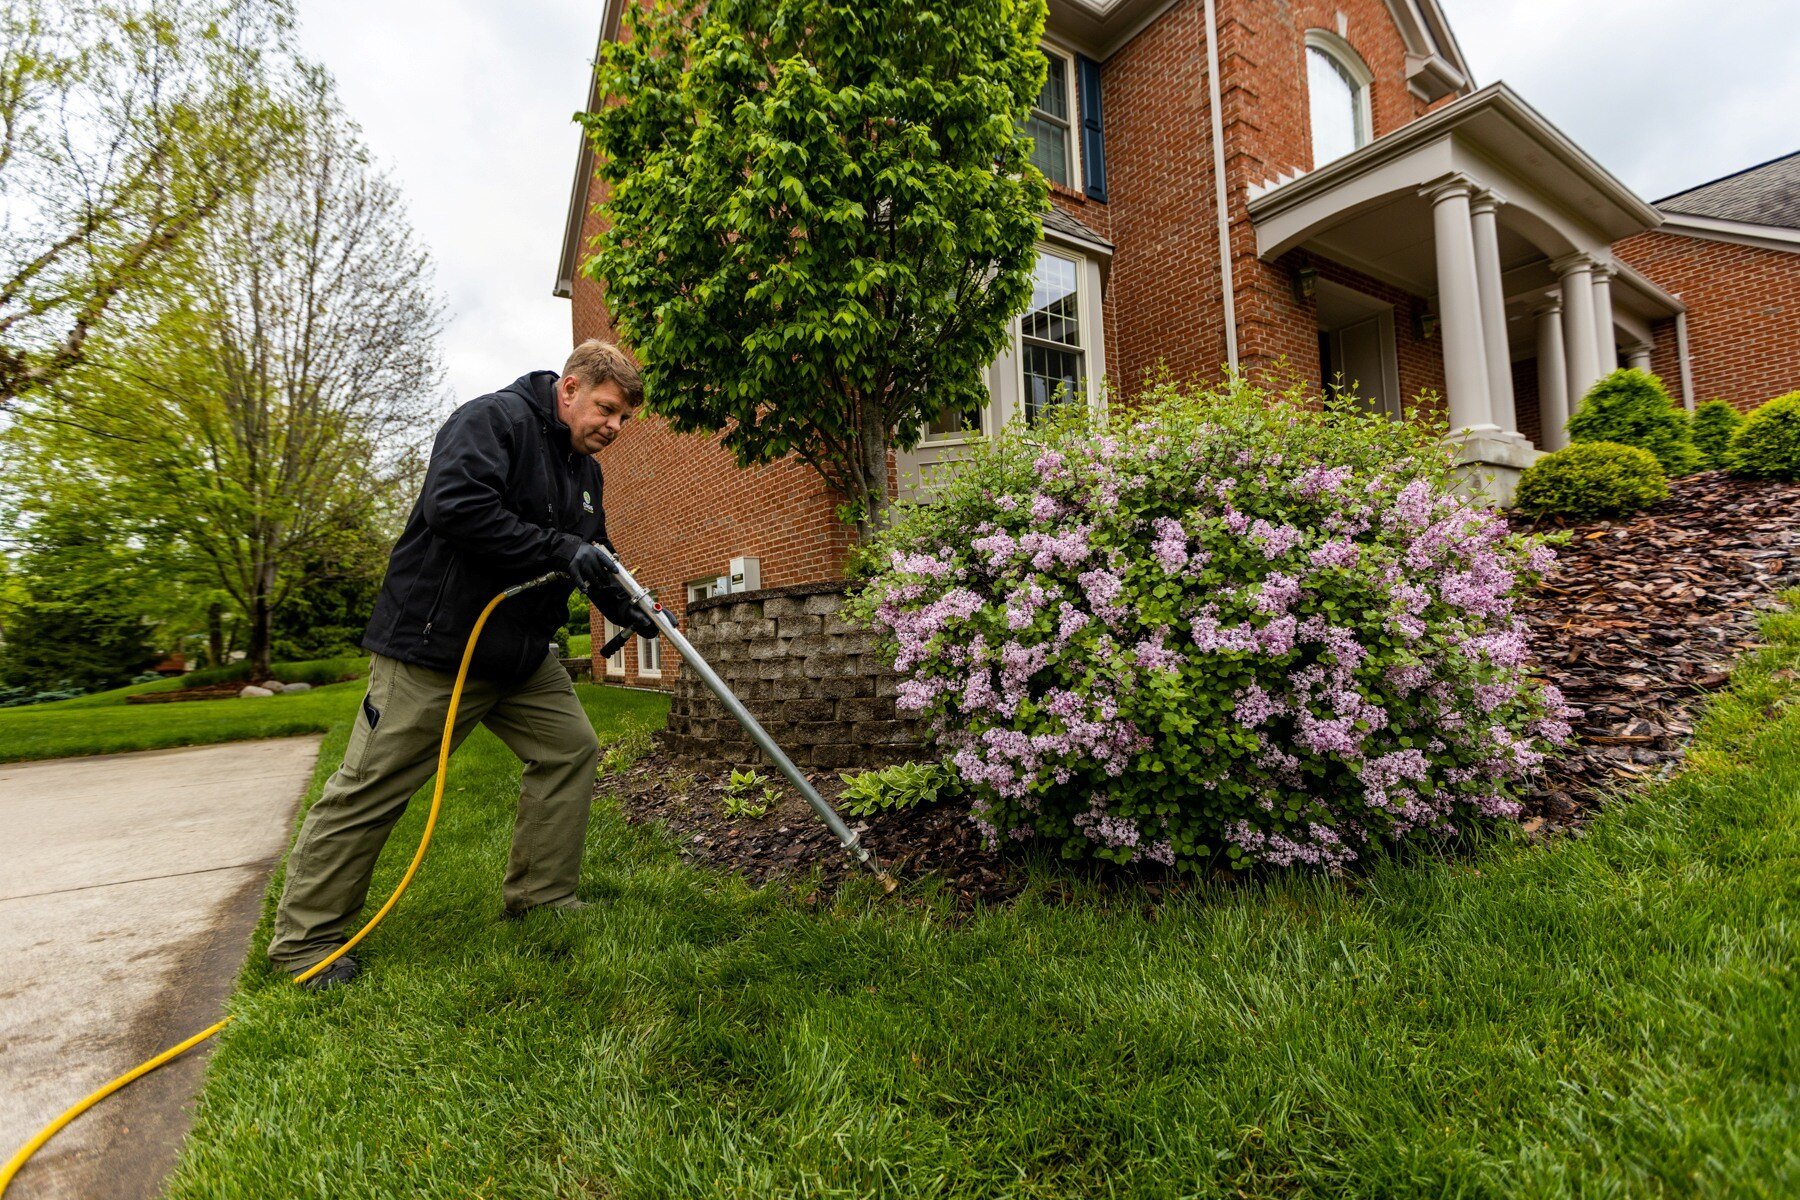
(1592, 479)
(1629, 407)
(1714, 424)
(1767, 445)
(315, 671)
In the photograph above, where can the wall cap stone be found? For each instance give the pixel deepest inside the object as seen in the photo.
(831, 587)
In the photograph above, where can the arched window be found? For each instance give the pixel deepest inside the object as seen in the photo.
(1337, 93)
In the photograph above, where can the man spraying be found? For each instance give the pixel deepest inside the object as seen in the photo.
(512, 491)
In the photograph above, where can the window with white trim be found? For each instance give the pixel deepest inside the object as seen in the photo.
(649, 656)
(615, 662)
(1052, 336)
(1051, 125)
(1337, 96)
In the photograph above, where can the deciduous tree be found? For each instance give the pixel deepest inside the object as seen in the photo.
(821, 218)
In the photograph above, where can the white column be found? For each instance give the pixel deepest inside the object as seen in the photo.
(1606, 339)
(1553, 377)
(1681, 356)
(1637, 356)
(1493, 311)
(1459, 308)
(1577, 325)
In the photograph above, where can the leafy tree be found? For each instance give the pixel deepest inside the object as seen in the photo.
(124, 126)
(821, 218)
(258, 422)
(78, 619)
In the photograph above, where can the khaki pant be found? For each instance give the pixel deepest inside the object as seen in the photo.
(393, 751)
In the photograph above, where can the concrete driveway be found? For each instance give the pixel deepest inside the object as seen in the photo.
(129, 887)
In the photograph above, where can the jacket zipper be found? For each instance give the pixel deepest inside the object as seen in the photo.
(431, 614)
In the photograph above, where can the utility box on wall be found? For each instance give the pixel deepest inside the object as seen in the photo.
(745, 575)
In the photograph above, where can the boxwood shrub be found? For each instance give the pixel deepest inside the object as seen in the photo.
(1220, 627)
(1714, 423)
(1629, 407)
(1592, 479)
(1767, 445)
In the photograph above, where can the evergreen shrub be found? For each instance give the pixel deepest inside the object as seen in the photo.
(1767, 446)
(1220, 627)
(1629, 407)
(1714, 424)
(1592, 479)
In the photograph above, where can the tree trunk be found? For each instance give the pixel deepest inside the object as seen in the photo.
(260, 611)
(873, 444)
(215, 635)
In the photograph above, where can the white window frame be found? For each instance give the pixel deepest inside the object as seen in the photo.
(615, 665)
(1073, 88)
(1006, 381)
(649, 651)
(1345, 55)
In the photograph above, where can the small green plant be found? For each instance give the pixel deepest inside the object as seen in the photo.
(1767, 445)
(1592, 479)
(749, 794)
(632, 744)
(891, 789)
(1714, 424)
(1629, 407)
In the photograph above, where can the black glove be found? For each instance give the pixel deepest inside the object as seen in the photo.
(617, 607)
(588, 566)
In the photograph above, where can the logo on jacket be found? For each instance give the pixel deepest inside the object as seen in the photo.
(587, 502)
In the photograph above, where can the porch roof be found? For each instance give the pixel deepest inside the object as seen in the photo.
(1365, 209)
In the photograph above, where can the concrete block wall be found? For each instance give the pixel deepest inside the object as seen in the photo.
(815, 681)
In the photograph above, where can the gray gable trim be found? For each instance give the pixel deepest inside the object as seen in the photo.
(1766, 194)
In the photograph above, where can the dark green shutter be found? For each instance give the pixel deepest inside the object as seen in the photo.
(1093, 134)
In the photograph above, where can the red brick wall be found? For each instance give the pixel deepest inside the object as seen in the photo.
(1268, 132)
(1525, 399)
(1743, 315)
(678, 507)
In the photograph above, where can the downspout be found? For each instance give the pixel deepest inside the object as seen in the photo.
(1218, 140)
(1681, 356)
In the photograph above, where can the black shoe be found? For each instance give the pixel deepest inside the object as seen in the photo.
(562, 908)
(336, 975)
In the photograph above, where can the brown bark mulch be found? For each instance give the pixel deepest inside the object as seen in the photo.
(1641, 618)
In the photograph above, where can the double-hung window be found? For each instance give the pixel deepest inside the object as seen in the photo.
(649, 656)
(1052, 341)
(1052, 121)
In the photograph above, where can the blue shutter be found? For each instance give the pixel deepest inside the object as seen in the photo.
(1093, 135)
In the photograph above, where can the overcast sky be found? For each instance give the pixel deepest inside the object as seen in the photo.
(467, 102)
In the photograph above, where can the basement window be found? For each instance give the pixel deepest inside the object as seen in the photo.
(615, 663)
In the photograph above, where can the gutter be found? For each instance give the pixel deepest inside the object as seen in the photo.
(1217, 120)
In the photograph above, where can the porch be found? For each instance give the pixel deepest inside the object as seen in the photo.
(1504, 227)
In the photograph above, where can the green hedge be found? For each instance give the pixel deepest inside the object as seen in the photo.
(1714, 425)
(1592, 479)
(1767, 445)
(1630, 408)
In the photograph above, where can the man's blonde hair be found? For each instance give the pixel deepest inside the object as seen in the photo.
(595, 362)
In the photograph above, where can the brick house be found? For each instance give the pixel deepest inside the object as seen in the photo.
(1307, 188)
(1730, 249)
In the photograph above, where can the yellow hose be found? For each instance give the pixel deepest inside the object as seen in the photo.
(19, 1159)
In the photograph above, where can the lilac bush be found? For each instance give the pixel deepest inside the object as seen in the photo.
(1221, 627)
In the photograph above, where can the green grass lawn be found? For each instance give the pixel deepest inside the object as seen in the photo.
(104, 724)
(1608, 1015)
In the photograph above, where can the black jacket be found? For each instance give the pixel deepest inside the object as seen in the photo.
(505, 499)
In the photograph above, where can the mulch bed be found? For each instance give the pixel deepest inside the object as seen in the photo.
(1641, 618)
